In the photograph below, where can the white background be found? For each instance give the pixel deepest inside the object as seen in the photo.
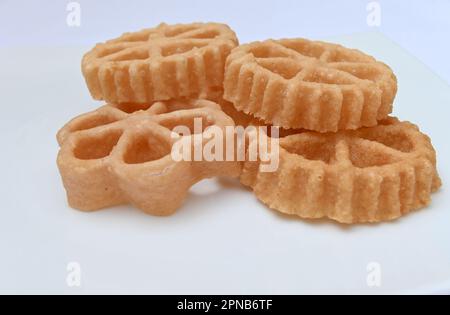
(222, 240)
(419, 26)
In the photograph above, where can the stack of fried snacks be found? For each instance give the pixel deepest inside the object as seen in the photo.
(341, 155)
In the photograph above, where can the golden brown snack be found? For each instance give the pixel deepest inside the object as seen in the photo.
(368, 175)
(240, 118)
(245, 120)
(122, 154)
(166, 62)
(297, 83)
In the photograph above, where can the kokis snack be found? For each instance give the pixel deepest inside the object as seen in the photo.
(339, 153)
(297, 83)
(162, 63)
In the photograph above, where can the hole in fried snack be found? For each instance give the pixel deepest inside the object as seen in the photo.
(135, 54)
(343, 54)
(188, 125)
(145, 148)
(311, 148)
(305, 47)
(175, 31)
(93, 148)
(363, 71)
(136, 37)
(327, 76)
(395, 140)
(284, 68)
(362, 156)
(130, 108)
(207, 34)
(111, 49)
(92, 121)
(266, 51)
(179, 48)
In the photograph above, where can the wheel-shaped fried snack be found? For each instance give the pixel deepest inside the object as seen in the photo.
(297, 83)
(162, 63)
(368, 175)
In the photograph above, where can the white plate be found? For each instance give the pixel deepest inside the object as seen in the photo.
(222, 241)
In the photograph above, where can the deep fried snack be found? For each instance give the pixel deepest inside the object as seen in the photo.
(368, 175)
(239, 118)
(162, 63)
(245, 120)
(122, 154)
(297, 83)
